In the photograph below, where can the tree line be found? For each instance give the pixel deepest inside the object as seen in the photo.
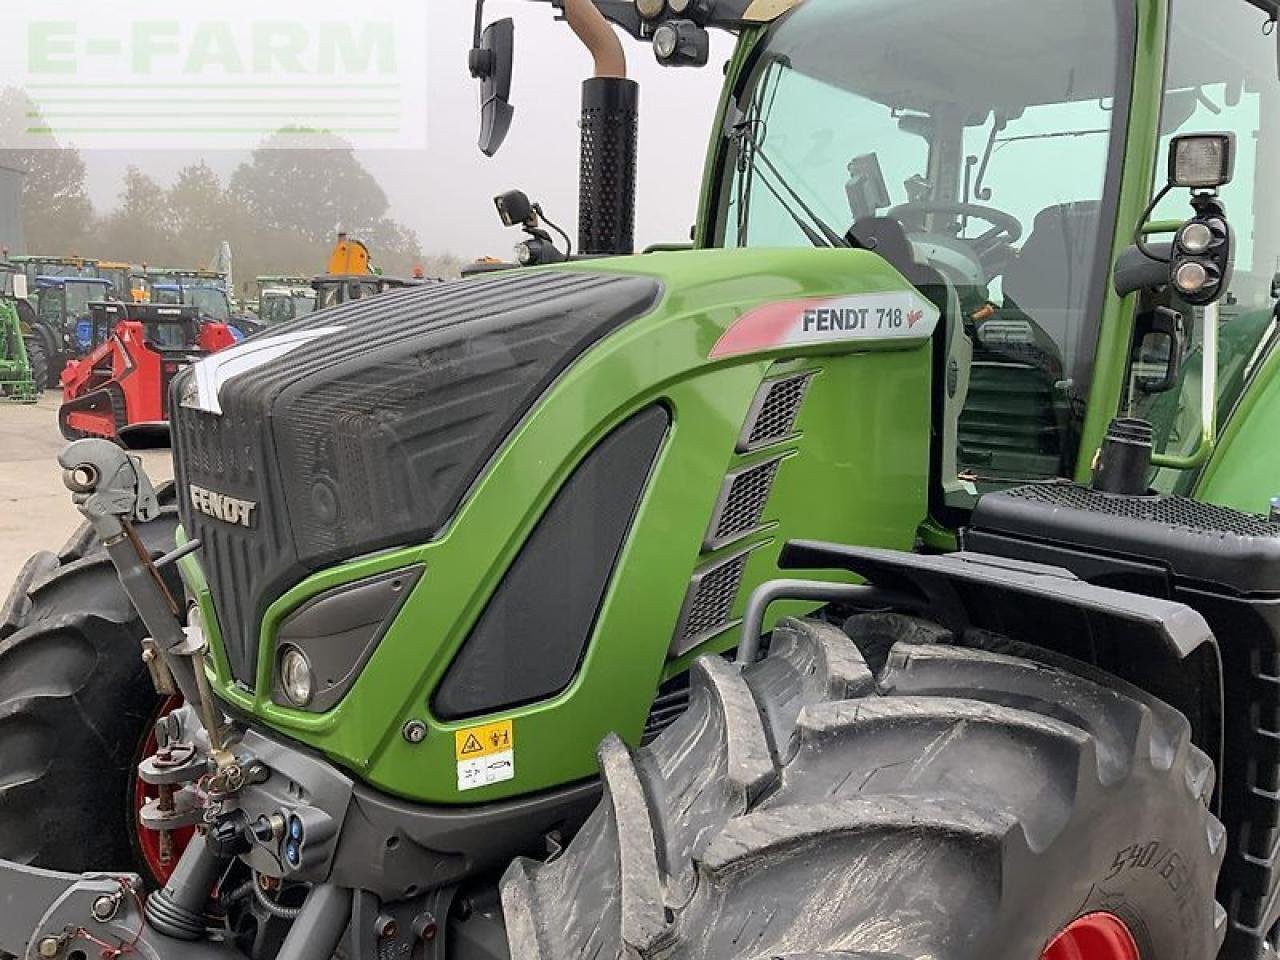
(280, 210)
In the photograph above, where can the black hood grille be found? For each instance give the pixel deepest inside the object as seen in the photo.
(369, 437)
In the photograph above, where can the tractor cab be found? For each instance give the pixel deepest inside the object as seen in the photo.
(334, 289)
(128, 281)
(63, 308)
(281, 299)
(1002, 186)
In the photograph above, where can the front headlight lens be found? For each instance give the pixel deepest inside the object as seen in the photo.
(666, 40)
(296, 677)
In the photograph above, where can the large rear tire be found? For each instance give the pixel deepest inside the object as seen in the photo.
(76, 702)
(970, 801)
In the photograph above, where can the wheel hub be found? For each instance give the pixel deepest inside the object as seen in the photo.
(160, 850)
(1095, 936)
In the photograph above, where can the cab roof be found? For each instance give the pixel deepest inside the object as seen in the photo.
(63, 281)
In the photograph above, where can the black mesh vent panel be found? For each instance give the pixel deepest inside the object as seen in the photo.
(1191, 515)
(742, 503)
(774, 413)
(710, 602)
(529, 641)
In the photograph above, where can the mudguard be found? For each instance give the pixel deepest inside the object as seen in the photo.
(973, 590)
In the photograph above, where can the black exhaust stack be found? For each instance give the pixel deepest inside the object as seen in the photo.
(607, 184)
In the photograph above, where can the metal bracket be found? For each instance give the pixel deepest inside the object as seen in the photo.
(109, 486)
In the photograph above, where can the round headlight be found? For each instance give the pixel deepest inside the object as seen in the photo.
(1196, 238)
(650, 8)
(1191, 277)
(296, 678)
(666, 40)
(679, 7)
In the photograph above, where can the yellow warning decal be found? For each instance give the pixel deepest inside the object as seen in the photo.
(476, 742)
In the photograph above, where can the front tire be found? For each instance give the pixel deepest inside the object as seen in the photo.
(76, 703)
(966, 802)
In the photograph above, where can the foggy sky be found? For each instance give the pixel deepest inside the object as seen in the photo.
(445, 194)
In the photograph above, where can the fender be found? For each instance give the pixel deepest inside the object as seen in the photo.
(976, 591)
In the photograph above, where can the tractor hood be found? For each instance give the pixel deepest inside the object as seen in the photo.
(375, 425)
(362, 427)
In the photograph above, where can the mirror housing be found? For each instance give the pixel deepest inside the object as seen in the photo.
(1137, 270)
(20, 290)
(491, 62)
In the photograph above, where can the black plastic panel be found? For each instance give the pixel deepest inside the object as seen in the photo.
(369, 437)
(530, 639)
(1225, 565)
(338, 632)
(1195, 541)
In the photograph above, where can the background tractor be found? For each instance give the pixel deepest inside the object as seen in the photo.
(16, 382)
(128, 281)
(350, 275)
(891, 575)
(281, 299)
(62, 326)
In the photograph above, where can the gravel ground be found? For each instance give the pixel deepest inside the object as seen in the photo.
(37, 513)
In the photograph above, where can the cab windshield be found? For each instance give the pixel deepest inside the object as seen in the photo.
(210, 301)
(977, 163)
(80, 295)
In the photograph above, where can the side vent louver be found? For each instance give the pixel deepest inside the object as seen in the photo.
(741, 503)
(709, 603)
(740, 511)
(773, 412)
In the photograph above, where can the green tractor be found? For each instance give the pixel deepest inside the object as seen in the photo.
(891, 575)
(16, 383)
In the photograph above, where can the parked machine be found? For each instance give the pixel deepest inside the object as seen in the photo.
(128, 280)
(350, 275)
(889, 576)
(281, 299)
(61, 327)
(34, 266)
(119, 390)
(16, 381)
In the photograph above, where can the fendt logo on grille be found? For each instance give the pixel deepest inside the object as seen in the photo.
(221, 507)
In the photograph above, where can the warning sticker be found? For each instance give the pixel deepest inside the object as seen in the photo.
(485, 754)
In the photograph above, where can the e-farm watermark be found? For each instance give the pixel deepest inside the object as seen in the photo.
(149, 74)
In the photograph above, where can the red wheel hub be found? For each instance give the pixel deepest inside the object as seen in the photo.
(160, 852)
(1095, 936)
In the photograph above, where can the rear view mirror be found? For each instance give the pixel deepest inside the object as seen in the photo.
(491, 63)
(1161, 344)
(20, 286)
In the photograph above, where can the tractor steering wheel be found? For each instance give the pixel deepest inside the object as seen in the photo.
(1006, 229)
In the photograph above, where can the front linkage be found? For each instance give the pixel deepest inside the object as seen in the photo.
(206, 775)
